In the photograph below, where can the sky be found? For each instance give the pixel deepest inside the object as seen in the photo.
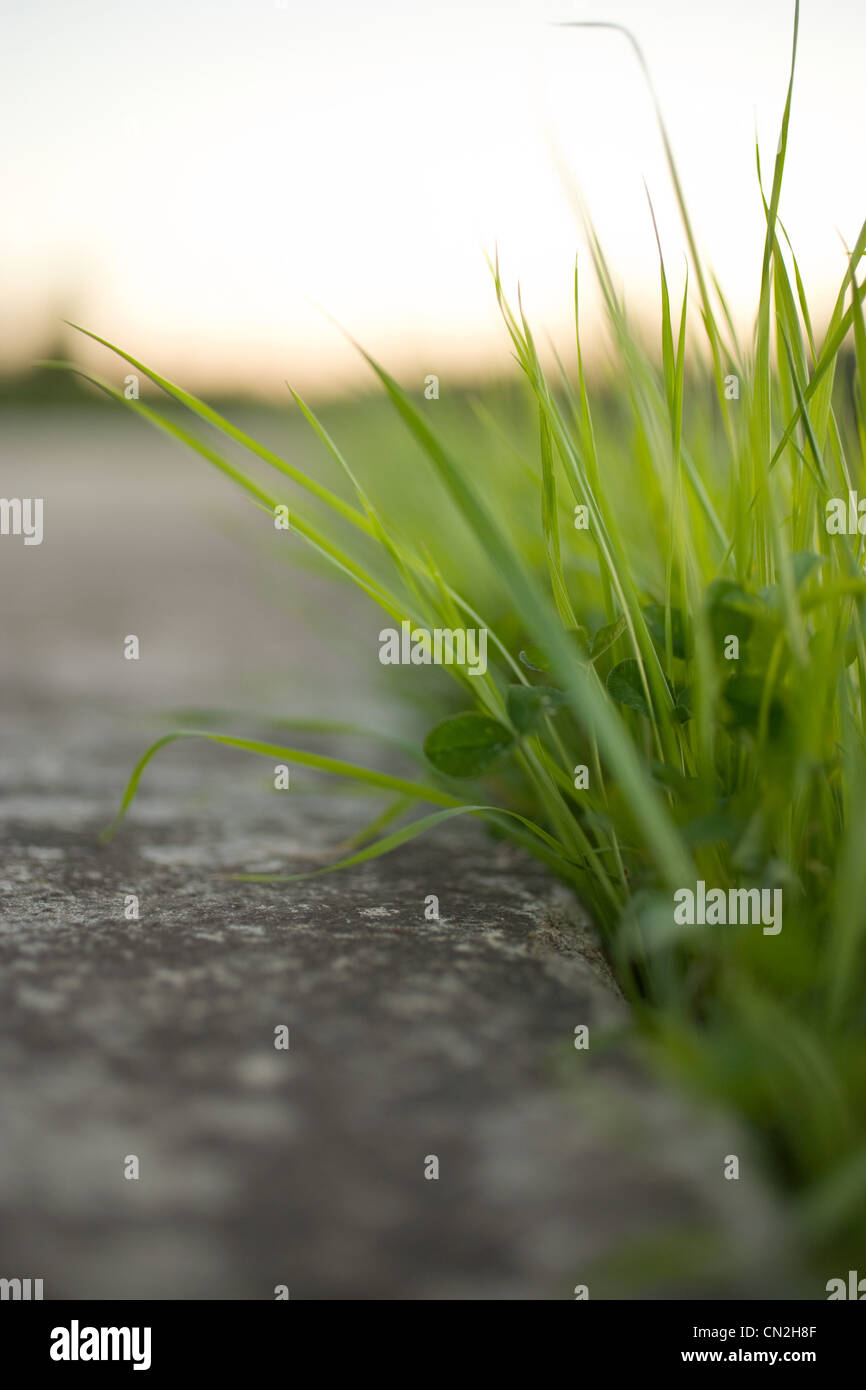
(224, 187)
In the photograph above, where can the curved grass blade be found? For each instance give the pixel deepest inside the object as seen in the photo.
(336, 766)
(344, 562)
(212, 417)
(402, 837)
(302, 725)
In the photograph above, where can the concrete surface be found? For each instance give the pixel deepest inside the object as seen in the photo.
(409, 1038)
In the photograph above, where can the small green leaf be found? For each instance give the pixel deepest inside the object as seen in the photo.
(654, 614)
(605, 637)
(528, 705)
(743, 696)
(732, 610)
(625, 686)
(803, 563)
(466, 744)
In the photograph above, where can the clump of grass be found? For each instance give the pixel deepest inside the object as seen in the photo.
(706, 520)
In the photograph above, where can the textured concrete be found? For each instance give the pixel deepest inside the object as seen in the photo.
(409, 1038)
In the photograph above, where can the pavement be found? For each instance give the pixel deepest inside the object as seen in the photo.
(430, 1131)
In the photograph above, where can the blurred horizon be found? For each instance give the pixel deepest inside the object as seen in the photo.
(205, 184)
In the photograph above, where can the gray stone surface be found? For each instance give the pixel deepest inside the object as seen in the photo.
(409, 1038)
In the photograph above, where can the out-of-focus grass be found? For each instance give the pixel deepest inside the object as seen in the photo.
(706, 520)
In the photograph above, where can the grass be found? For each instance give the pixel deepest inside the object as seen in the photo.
(706, 520)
